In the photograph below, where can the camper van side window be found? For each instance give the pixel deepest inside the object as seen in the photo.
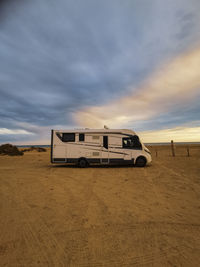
(81, 137)
(131, 142)
(127, 142)
(68, 137)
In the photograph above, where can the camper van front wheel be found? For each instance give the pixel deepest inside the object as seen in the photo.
(82, 163)
(141, 162)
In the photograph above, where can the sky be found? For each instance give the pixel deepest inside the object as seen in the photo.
(131, 64)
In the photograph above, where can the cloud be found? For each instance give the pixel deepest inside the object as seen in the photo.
(5, 131)
(178, 134)
(41, 134)
(171, 86)
(61, 57)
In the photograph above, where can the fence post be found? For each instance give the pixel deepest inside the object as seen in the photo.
(188, 151)
(156, 153)
(172, 148)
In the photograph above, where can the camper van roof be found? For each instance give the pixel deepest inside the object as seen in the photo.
(123, 131)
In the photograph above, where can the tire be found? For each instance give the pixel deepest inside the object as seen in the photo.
(140, 162)
(83, 163)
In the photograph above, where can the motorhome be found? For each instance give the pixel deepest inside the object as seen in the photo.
(98, 146)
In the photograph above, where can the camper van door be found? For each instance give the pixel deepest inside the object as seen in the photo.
(105, 150)
(58, 147)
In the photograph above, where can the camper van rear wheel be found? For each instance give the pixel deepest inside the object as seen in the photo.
(82, 163)
(141, 162)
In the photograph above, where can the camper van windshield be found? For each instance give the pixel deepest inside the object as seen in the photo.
(132, 142)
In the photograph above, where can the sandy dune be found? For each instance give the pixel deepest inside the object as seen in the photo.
(52, 215)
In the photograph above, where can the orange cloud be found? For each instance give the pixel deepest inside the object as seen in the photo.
(178, 134)
(174, 83)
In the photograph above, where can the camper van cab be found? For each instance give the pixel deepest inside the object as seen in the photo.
(105, 146)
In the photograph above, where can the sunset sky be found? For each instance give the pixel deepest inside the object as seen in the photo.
(131, 64)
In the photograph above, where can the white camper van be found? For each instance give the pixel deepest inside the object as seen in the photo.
(105, 146)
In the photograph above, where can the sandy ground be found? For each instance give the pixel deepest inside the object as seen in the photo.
(100, 216)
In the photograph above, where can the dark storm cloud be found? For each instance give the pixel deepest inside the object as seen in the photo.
(57, 57)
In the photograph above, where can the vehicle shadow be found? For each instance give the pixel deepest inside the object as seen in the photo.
(97, 166)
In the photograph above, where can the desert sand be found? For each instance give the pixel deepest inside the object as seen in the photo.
(53, 215)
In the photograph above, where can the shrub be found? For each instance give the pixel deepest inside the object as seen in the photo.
(8, 149)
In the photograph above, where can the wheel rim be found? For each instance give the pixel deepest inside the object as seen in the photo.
(82, 163)
(140, 162)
